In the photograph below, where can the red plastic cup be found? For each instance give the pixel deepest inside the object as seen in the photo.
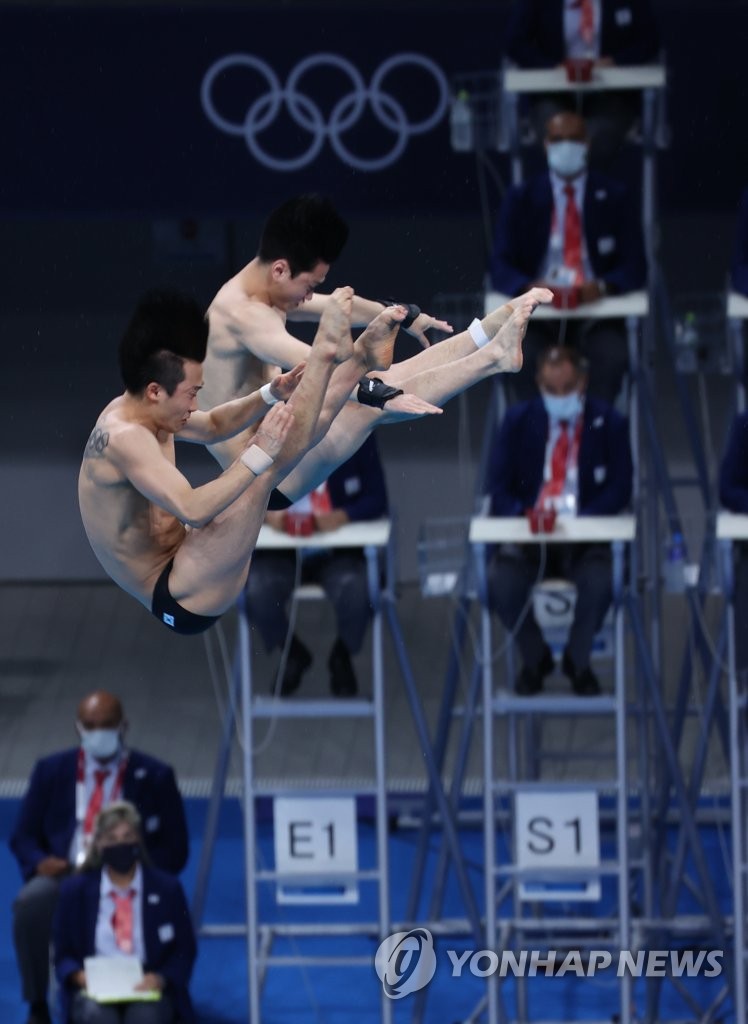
(579, 69)
(299, 524)
(541, 520)
(566, 298)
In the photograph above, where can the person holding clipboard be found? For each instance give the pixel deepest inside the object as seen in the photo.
(123, 937)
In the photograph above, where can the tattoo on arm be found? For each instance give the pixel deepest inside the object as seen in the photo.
(97, 443)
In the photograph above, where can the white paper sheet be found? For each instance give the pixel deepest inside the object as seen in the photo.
(111, 979)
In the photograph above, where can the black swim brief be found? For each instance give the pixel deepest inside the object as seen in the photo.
(278, 501)
(172, 614)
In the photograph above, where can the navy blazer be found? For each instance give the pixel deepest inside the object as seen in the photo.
(46, 820)
(733, 474)
(535, 34)
(740, 248)
(515, 469)
(358, 485)
(611, 226)
(168, 936)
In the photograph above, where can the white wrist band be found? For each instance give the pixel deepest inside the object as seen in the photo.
(267, 395)
(476, 332)
(256, 460)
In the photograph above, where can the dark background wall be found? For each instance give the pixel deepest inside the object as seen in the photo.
(112, 179)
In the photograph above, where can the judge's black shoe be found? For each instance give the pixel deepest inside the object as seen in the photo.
(343, 682)
(530, 680)
(584, 682)
(299, 660)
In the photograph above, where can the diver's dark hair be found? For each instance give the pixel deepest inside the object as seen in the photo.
(166, 328)
(304, 230)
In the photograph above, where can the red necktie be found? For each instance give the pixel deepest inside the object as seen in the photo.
(573, 235)
(97, 799)
(321, 504)
(559, 461)
(586, 21)
(122, 920)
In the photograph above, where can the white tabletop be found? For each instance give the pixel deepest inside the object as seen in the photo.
(630, 304)
(643, 76)
(568, 530)
(732, 526)
(737, 306)
(353, 535)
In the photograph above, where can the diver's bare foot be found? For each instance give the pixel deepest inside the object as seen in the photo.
(495, 320)
(333, 336)
(505, 347)
(376, 344)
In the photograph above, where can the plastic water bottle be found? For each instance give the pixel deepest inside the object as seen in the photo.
(687, 339)
(461, 123)
(674, 568)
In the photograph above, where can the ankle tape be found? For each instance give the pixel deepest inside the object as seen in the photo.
(476, 332)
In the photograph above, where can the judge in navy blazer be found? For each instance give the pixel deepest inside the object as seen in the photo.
(544, 33)
(530, 247)
(599, 480)
(515, 471)
(629, 32)
(46, 820)
(53, 826)
(165, 924)
(358, 492)
(610, 223)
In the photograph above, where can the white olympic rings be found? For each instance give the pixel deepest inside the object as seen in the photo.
(307, 114)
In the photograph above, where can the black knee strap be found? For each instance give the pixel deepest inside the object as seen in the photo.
(374, 392)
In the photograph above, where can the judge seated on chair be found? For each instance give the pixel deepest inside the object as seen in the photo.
(568, 452)
(355, 492)
(577, 232)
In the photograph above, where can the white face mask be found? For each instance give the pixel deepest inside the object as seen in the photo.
(562, 407)
(99, 743)
(567, 158)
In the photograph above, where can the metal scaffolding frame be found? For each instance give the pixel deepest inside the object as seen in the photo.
(374, 538)
(619, 531)
(732, 528)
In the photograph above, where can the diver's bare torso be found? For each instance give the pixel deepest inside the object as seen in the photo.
(132, 538)
(240, 327)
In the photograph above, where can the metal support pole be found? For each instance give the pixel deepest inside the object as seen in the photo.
(671, 759)
(250, 828)
(441, 739)
(489, 804)
(422, 732)
(383, 887)
(622, 809)
(737, 791)
(218, 788)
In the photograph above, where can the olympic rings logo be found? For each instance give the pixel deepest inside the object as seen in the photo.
(306, 113)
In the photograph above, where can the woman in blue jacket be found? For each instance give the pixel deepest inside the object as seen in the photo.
(119, 905)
